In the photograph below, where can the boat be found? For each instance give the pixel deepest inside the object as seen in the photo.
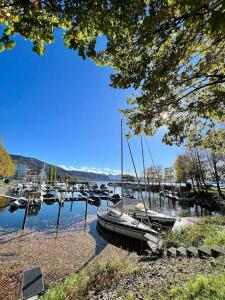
(19, 203)
(122, 223)
(118, 221)
(51, 196)
(139, 213)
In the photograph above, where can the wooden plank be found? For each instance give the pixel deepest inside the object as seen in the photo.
(152, 238)
(32, 283)
(152, 246)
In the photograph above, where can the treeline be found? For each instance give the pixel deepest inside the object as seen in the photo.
(201, 167)
(54, 176)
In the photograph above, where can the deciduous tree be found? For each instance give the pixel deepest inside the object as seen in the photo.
(170, 51)
(7, 167)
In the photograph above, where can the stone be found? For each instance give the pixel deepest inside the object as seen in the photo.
(171, 251)
(217, 251)
(181, 251)
(192, 251)
(204, 252)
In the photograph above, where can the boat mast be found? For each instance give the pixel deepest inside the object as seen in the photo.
(121, 145)
(143, 163)
(138, 180)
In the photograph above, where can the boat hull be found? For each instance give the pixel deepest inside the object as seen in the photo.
(117, 228)
(156, 219)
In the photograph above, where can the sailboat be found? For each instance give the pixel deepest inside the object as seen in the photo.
(118, 221)
(138, 212)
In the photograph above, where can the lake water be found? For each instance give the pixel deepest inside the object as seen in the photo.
(72, 212)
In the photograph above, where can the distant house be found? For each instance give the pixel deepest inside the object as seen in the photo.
(21, 172)
(33, 174)
(168, 174)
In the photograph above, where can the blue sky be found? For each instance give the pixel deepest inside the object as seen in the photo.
(60, 109)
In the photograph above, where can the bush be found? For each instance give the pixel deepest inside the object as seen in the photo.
(209, 233)
(95, 278)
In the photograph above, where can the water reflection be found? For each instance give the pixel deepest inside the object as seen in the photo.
(51, 215)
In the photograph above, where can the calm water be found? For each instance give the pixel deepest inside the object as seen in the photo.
(46, 216)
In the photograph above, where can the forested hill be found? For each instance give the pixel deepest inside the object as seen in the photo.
(38, 165)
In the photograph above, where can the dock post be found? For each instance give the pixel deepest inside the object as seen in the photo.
(71, 207)
(85, 221)
(25, 213)
(59, 213)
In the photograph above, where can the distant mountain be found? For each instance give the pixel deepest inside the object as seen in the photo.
(114, 177)
(36, 164)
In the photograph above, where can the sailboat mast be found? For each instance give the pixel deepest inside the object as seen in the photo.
(143, 163)
(121, 145)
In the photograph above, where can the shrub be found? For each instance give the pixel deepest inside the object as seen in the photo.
(209, 233)
(96, 277)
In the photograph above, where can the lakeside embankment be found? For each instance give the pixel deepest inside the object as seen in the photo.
(130, 278)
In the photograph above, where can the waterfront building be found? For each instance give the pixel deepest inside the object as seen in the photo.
(21, 171)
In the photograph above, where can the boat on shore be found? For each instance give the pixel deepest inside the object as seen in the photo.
(122, 223)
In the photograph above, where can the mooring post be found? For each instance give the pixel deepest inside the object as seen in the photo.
(86, 212)
(59, 213)
(71, 207)
(26, 212)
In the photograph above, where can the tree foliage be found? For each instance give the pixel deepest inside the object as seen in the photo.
(128, 177)
(180, 168)
(201, 167)
(7, 167)
(171, 52)
(52, 174)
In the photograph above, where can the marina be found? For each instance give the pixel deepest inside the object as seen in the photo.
(45, 215)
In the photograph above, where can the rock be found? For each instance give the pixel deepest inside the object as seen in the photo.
(217, 251)
(204, 252)
(192, 251)
(181, 251)
(171, 251)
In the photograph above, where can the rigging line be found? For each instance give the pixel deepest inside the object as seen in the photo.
(143, 164)
(121, 141)
(150, 154)
(136, 175)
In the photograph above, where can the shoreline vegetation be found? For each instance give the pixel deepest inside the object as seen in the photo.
(132, 278)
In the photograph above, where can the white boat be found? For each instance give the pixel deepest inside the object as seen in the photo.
(138, 212)
(19, 203)
(122, 223)
(118, 221)
(154, 217)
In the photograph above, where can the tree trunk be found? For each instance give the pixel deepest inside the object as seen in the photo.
(216, 175)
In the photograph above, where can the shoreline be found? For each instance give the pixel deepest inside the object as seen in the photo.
(58, 253)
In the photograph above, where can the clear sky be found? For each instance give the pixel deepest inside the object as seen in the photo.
(60, 109)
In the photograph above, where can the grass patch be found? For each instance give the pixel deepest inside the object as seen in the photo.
(94, 278)
(209, 233)
(201, 287)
